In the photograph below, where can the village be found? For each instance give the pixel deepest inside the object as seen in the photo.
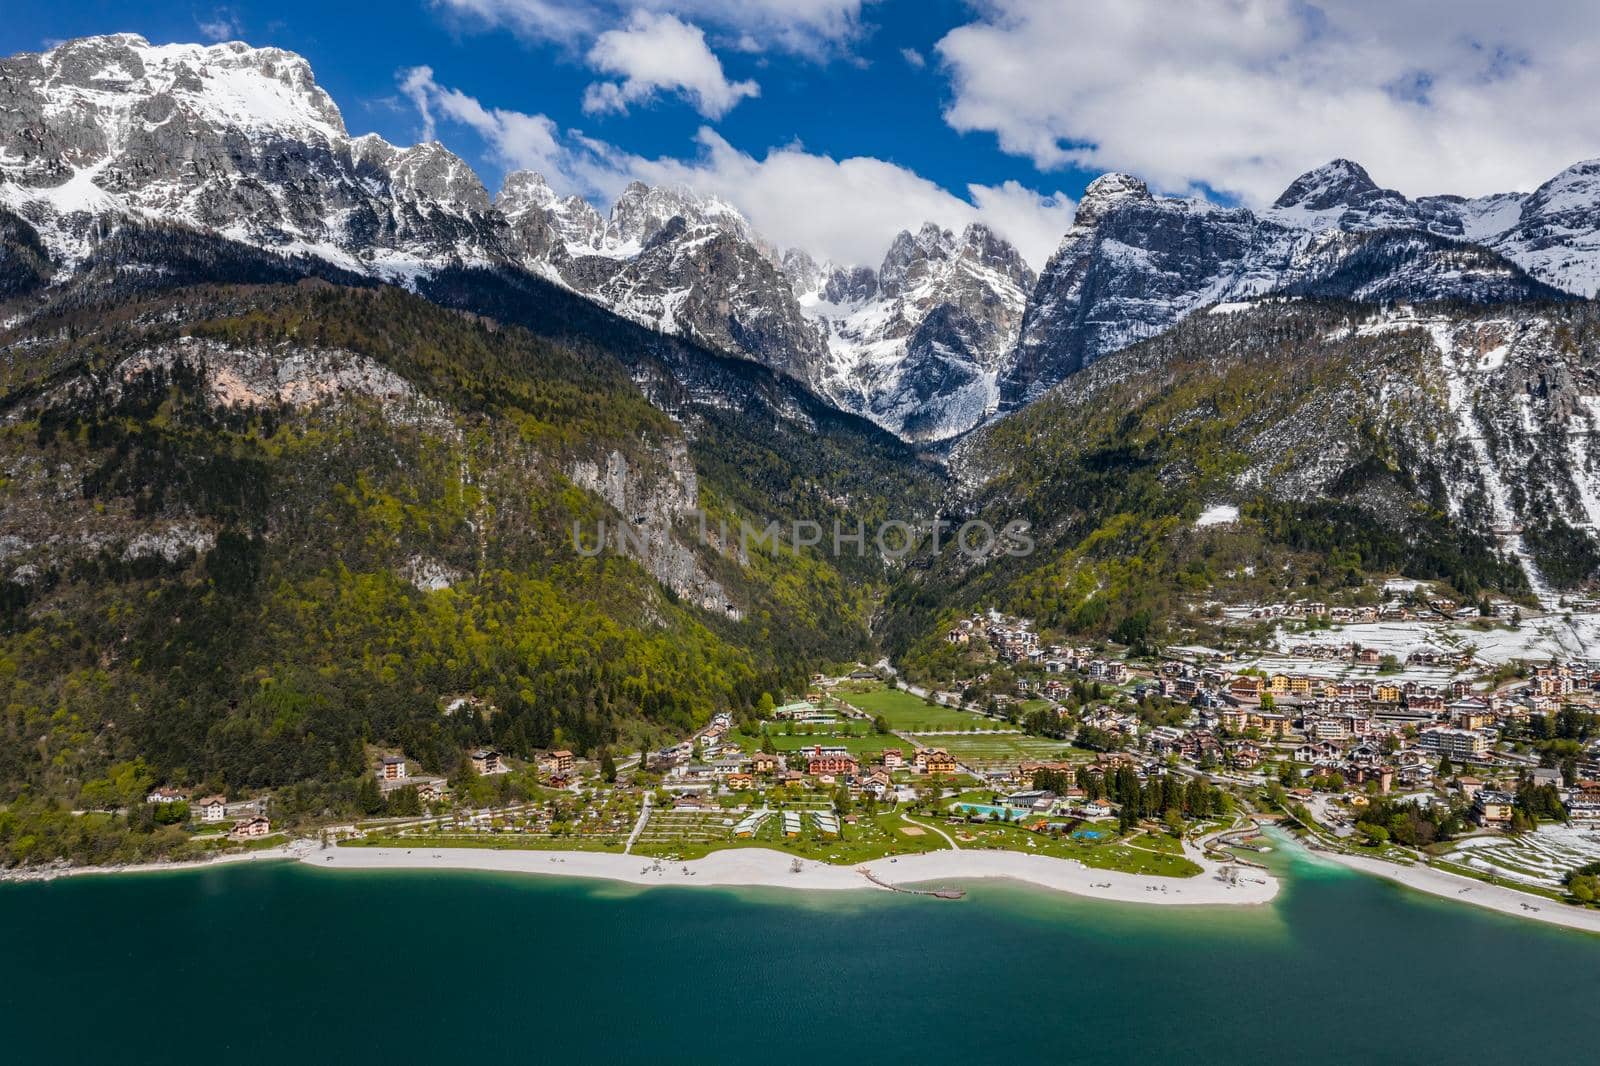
(1420, 751)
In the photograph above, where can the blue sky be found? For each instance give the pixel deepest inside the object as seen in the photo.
(834, 123)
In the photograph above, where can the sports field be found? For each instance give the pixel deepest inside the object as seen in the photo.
(906, 713)
(999, 749)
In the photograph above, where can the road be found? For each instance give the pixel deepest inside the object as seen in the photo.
(638, 827)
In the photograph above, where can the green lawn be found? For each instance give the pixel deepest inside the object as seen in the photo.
(874, 837)
(871, 744)
(1106, 853)
(911, 714)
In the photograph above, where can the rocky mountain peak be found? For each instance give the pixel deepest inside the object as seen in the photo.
(432, 174)
(1107, 192)
(1339, 183)
(848, 285)
(525, 190)
(908, 256)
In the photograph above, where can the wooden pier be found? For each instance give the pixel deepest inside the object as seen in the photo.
(936, 893)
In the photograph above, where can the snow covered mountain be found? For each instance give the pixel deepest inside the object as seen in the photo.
(917, 344)
(946, 329)
(242, 142)
(1133, 264)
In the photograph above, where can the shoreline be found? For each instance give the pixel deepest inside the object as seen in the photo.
(51, 873)
(1461, 889)
(766, 868)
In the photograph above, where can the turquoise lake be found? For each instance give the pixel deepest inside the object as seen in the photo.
(285, 963)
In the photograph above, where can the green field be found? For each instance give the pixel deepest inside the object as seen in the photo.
(1143, 854)
(856, 745)
(906, 713)
(874, 837)
(490, 841)
(1001, 749)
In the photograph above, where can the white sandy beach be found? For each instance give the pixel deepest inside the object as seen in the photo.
(761, 867)
(1451, 886)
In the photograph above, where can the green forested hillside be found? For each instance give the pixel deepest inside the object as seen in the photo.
(244, 596)
(1329, 448)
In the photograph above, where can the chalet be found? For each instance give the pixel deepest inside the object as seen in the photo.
(563, 762)
(893, 758)
(741, 781)
(212, 808)
(391, 768)
(820, 762)
(487, 761)
(166, 795)
(764, 763)
(1029, 767)
(1245, 688)
(935, 761)
(1584, 803)
(250, 828)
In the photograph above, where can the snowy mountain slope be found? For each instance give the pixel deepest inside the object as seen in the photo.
(1134, 264)
(242, 142)
(1447, 442)
(916, 344)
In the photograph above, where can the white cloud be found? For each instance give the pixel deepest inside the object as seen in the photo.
(846, 210)
(656, 53)
(520, 141)
(915, 58)
(815, 28)
(1243, 95)
(223, 25)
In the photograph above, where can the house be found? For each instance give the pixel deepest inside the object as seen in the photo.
(824, 762)
(1245, 688)
(1545, 776)
(1246, 756)
(764, 763)
(431, 789)
(212, 808)
(741, 781)
(250, 828)
(166, 795)
(935, 761)
(391, 768)
(486, 761)
(893, 758)
(562, 762)
(1490, 808)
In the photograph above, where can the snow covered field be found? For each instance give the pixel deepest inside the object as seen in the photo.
(1558, 636)
(1540, 858)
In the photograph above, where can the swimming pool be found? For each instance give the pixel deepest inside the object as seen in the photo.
(989, 810)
